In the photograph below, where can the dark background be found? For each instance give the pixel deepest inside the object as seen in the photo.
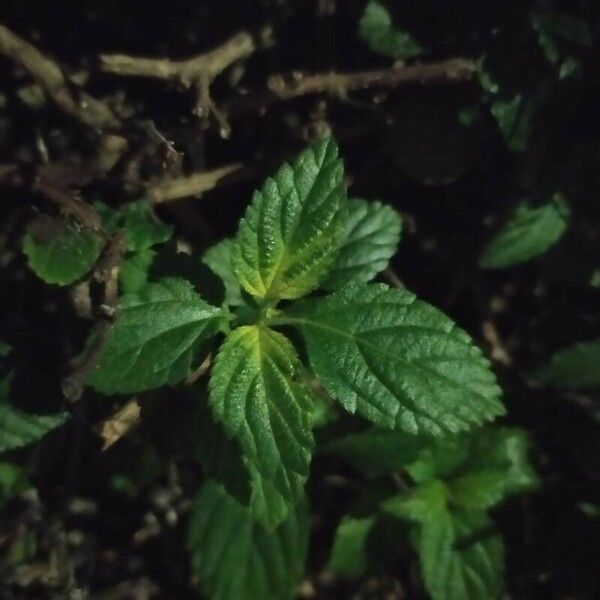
(453, 184)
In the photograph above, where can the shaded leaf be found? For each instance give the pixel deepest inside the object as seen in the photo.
(219, 259)
(155, 338)
(370, 239)
(574, 367)
(529, 232)
(236, 558)
(349, 552)
(382, 36)
(64, 254)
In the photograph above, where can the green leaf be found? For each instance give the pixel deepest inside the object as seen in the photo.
(377, 451)
(555, 28)
(396, 360)
(574, 367)
(235, 558)
(135, 270)
(378, 31)
(255, 393)
(288, 239)
(371, 236)
(529, 232)
(142, 228)
(19, 428)
(62, 253)
(155, 338)
(496, 466)
(13, 482)
(424, 502)
(461, 556)
(349, 553)
(515, 120)
(219, 260)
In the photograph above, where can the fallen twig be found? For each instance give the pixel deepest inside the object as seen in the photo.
(339, 84)
(86, 109)
(192, 185)
(196, 73)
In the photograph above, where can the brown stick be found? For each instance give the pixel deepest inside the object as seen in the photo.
(188, 71)
(301, 84)
(197, 72)
(192, 185)
(86, 109)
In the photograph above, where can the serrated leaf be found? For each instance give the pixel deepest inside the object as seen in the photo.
(19, 428)
(377, 29)
(63, 255)
(155, 338)
(370, 239)
(529, 232)
(377, 451)
(288, 238)
(461, 556)
(349, 552)
(515, 120)
(142, 229)
(396, 360)
(574, 367)
(219, 260)
(496, 466)
(235, 558)
(255, 393)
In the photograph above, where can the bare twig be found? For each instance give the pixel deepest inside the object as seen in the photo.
(192, 185)
(197, 72)
(86, 109)
(339, 84)
(119, 423)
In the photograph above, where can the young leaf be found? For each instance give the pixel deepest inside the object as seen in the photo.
(62, 254)
(370, 238)
(142, 229)
(378, 31)
(349, 552)
(155, 338)
(396, 360)
(255, 393)
(134, 271)
(461, 556)
(218, 258)
(235, 558)
(496, 466)
(574, 367)
(19, 428)
(377, 451)
(288, 239)
(555, 28)
(528, 233)
(515, 120)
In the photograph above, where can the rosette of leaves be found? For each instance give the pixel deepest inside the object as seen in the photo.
(297, 283)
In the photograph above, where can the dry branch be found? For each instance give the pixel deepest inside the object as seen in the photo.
(192, 185)
(339, 84)
(84, 108)
(196, 72)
